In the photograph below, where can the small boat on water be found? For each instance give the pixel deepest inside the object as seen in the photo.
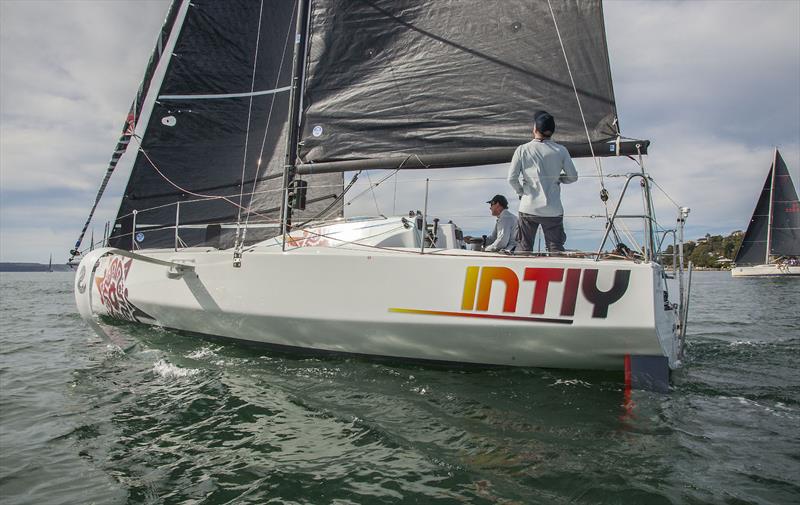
(232, 224)
(771, 244)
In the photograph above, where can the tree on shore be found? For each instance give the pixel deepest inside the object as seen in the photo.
(710, 251)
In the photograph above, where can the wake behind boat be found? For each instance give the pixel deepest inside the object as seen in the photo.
(771, 244)
(233, 225)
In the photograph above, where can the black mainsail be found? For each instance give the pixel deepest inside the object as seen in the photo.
(436, 83)
(774, 228)
(216, 135)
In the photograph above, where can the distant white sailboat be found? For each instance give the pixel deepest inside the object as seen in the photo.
(233, 224)
(771, 244)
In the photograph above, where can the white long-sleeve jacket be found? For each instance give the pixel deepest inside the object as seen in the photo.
(542, 165)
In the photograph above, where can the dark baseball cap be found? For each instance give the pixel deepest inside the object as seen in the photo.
(499, 199)
(545, 122)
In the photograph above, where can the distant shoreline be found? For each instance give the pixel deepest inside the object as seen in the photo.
(32, 267)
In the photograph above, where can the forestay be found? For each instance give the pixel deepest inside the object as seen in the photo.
(221, 107)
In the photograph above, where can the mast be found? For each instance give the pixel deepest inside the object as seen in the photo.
(289, 168)
(771, 203)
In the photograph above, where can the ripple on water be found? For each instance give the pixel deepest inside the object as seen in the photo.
(170, 371)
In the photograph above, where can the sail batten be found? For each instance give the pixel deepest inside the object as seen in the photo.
(225, 95)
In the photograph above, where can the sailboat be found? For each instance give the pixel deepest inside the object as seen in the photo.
(771, 244)
(50, 264)
(250, 113)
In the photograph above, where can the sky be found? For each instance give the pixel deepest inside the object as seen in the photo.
(714, 85)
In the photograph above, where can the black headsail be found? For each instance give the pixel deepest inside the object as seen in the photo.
(217, 130)
(780, 231)
(416, 83)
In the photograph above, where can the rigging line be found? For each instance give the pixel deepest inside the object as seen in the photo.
(121, 147)
(415, 251)
(210, 197)
(627, 232)
(338, 199)
(269, 116)
(249, 115)
(395, 174)
(666, 194)
(392, 249)
(123, 216)
(577, 96)
(598, 165)
(319, 235)
(371, 187)
(374, 198)
(394, 198)
(184, 190)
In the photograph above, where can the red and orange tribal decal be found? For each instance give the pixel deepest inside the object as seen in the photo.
(479, 281)
(306, 238)
(114, 294)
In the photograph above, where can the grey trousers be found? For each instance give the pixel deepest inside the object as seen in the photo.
(553, 228)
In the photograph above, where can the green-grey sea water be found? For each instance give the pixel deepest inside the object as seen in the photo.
(181, 420)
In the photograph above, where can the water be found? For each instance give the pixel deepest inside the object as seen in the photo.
(177, 419)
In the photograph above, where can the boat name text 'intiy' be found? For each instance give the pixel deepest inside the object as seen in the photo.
(480, 279)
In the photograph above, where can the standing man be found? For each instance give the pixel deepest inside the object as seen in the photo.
(542, 165)
(504, 236)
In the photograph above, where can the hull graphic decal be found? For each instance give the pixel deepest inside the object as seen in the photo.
(483, 316)
(114, 294)
(480, 281)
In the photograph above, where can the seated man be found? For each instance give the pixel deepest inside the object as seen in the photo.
(504, 236)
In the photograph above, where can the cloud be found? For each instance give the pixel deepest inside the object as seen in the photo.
(68, 73)
(724, 68)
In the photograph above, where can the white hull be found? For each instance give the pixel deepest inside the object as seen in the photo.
(770, 270)
(396, 303)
